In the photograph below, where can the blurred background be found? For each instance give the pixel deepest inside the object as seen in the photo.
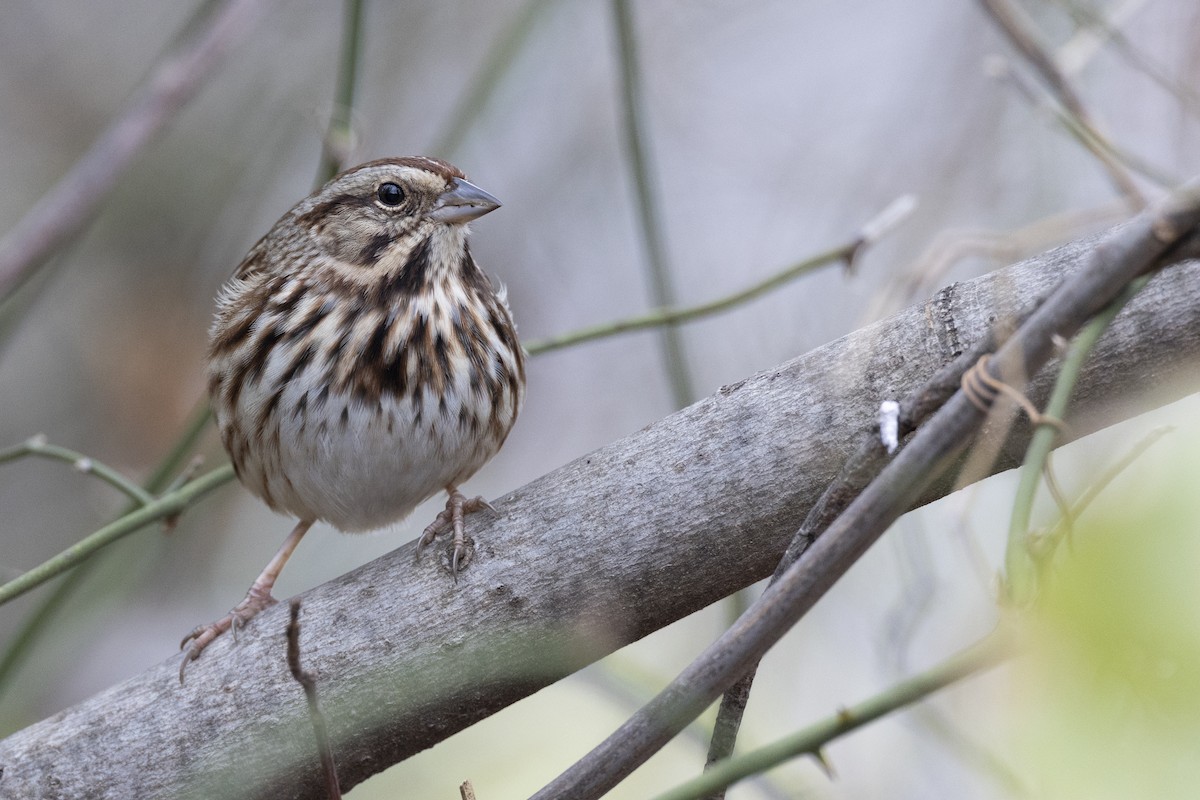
(773, 130)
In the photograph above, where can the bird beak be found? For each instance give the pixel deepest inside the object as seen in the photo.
(462, 202)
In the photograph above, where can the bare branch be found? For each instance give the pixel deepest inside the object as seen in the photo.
(166, 507)
(38, 446)
(339, 135)
(1020, 31)
(637, 145)
(63, 211)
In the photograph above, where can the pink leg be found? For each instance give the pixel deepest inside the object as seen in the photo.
(258, 598)
(451, 518)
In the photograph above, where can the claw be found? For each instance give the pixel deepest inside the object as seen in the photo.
(450, 518)
(204, 635)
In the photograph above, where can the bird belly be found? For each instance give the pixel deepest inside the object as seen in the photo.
(354, 464)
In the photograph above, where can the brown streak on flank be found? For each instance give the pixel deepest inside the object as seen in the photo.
(264, 416)
(499, 322)
(259, 353)
(215, 381)
(468, 421)
(497, 430)
(472, 341)
(508, 336)
(233, 389)
(301, 406)
(341, 369)
(418, 407)
(309, 321)
(441, 353)
(235, 443)
(493, 375)
(266, 490)
(514, 385)
(321, 397)
(299, 361)
(229, 337)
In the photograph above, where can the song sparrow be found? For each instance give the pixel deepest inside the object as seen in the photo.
(360, 361)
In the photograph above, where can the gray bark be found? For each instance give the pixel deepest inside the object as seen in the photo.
(575, 565)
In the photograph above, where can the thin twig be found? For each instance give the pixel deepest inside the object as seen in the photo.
(189, 472)
(949, 247)
(1022, 34)
(1092, 140)
(1020, 571)
(37, 622)
(1042, 547)
(1133, 250)
(1108, 476)
(339, 135)
(63, 211)
(899, 628)
(38, 446)
(1096, 30)
(661, 283)
(983, 655)
(165, 506)
(309, 684)
(846, 253)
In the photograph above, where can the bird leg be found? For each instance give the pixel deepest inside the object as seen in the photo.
(458, 505)
(257, 598)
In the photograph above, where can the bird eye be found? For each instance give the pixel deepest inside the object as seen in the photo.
(390, 194)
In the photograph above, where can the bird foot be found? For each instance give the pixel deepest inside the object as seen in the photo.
(458, 506)
(255, 601)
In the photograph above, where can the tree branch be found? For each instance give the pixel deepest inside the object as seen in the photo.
(66, 208)
(637, 145)
(582, 561)
(1022, 34)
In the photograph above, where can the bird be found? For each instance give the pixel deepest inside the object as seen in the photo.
(360, 362)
